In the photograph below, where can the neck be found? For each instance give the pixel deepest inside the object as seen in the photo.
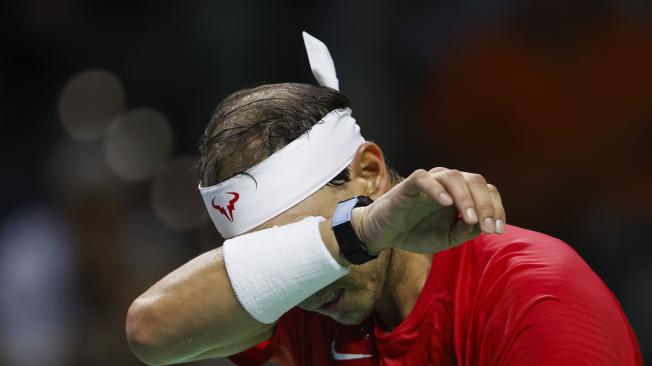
(406, 275)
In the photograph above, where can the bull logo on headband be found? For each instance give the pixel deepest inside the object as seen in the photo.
(230, 207)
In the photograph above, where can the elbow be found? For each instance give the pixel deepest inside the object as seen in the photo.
(143, 328)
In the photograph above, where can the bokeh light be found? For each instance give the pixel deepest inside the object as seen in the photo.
(138, 144)
(89, 102)
(78, 168)
(174, 196)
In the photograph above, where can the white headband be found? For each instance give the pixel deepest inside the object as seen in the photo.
(294, 172)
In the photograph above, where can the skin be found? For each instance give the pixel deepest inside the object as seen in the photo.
(192, 313)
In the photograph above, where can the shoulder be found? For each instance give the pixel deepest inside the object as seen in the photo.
(518, 258)
(533, 296)
(519, 246)
(523, 271)
(516, 238)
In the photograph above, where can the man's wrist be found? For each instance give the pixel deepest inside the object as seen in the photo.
(272, 270)
(328, 236)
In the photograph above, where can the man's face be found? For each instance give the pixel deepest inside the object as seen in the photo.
(350, 299)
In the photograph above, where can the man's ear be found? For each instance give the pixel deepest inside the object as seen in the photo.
(368, 171)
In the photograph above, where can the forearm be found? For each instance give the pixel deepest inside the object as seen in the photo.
(229, 350)
(191, 311)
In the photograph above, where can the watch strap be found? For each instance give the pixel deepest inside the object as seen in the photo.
(351, 247)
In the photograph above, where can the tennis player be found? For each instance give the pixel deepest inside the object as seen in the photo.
(331, 258)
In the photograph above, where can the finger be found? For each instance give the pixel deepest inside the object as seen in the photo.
(500, 216)
(438, 169)
(455, 185)
(483, 203)
(421, 182)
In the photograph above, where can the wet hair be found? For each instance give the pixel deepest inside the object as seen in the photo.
(251, 124)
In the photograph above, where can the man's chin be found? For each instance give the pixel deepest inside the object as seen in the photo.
(346, 310)
(349, 317)
(348, 320)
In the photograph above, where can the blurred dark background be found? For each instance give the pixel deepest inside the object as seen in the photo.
(102, 104)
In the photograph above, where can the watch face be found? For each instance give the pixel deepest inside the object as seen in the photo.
(343, 210)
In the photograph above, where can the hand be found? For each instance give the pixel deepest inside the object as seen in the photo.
(431, 211)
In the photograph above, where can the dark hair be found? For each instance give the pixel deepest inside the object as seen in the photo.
(251, 124)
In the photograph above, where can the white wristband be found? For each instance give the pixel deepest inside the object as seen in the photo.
(273, 270)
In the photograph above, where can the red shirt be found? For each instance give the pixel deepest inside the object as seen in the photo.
(521, 298)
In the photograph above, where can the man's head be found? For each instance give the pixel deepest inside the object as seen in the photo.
(252, 124)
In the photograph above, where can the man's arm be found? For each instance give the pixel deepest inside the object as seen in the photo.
(190, 314)
(193, 314)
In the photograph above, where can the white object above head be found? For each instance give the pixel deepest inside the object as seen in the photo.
(292, 173)
(321, 62)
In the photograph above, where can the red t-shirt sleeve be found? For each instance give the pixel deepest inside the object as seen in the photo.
(539, 303)
(280, 348)
(256, 355)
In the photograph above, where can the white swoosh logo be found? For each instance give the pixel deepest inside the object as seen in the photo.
(347, 356)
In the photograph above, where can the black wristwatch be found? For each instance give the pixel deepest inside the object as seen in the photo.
(351, 247)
